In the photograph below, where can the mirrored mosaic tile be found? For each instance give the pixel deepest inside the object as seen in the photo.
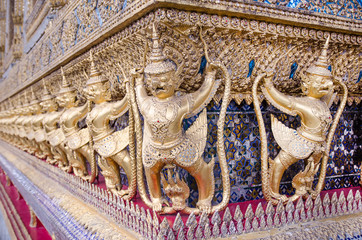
(242, 146)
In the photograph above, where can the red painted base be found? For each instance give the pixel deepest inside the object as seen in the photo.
(22, 209)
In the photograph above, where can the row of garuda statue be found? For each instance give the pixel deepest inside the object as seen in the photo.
(50, 129)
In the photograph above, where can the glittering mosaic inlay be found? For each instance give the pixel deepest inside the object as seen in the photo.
(242, 146)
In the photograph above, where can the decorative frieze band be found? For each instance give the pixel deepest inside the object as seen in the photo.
(231, 222)
(245, 40)
(63, 40)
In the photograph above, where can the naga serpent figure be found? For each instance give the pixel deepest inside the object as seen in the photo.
(309, 141)
(164, 141)
(76, 139)
(110, 145)
(53, 133)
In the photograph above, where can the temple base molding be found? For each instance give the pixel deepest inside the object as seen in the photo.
(63, 205)
(64, 215)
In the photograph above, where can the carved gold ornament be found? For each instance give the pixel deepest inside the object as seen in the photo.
(111, 146)
(164, 144)
(311, 141)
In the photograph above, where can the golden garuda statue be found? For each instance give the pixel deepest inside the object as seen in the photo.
(39, 134)
(54, 133)
(165, 144)
(110, 145)
(35, 110)
(24, 113)
(76, 139)
(8, 128)
(310, 141)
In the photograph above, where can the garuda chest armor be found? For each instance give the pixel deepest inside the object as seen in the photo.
(75, 137)
(184, 148)
(106, 142)
(302, 142)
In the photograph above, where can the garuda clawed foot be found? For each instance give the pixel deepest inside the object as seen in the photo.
(204, 206)
(51, 161)
(157, 204)
(119, 191)
(67, 169)
(279, 197)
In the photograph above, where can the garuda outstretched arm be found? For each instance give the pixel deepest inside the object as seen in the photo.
(83, 110)
(203, 95)
(279, 100)
(119, 108)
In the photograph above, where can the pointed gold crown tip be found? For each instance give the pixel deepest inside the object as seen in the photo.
(64, 80)
(93, 69)
(320, 67)
(95, 75)
(45, 90)
(159, 63)
(46, 94)
(66, 86)
(32, 93)
(156, 51)
(33, 97)
(326, 44)
(154, 31)
(92, 60)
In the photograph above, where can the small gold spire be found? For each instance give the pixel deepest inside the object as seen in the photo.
(159, 64)
(95, 75)
(156, 52)
(320, 67)
(33, 97)
(32, 93)
(65, 83)
(93, 70)
(46, 94)
(26, 100)
(66, 86)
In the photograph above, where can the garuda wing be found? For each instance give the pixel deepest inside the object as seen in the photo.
(290, 141)
(192, 148)
(113, 143)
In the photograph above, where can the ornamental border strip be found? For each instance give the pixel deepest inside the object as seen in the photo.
(49, 213)
(114, 24)
(128, 215)
(257, 27)
(13, 215)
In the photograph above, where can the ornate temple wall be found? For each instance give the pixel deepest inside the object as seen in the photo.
(44, 42)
